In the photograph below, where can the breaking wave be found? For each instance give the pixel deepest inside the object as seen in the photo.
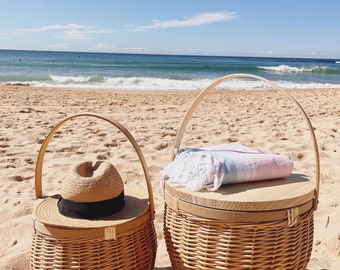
(291, 69)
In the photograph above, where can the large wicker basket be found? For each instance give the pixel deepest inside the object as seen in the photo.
(130, 244)
(256, 225)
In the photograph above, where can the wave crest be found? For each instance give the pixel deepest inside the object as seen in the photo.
(290, 69)
(76, 79)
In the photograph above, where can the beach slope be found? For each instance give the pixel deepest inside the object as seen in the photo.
(263, 120)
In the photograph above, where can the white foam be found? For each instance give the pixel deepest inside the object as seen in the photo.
(160, 84)
(69, 79)
(290, 69)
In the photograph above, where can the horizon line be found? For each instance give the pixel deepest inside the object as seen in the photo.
(175, 54)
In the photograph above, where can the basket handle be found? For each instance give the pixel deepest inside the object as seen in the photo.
(38, 169)
(204, 92)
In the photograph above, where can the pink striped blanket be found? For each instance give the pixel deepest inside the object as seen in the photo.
(210, 167)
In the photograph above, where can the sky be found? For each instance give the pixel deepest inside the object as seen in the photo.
(270, 28)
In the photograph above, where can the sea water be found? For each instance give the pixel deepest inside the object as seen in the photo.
(161, 72)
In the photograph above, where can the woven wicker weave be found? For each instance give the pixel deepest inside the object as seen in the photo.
(205, 234)
(129, 244)
(198, 243)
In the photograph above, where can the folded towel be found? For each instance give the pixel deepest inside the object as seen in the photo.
(213, 166)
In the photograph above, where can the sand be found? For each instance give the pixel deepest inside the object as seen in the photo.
(264, 120)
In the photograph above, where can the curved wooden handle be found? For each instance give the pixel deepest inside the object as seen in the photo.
(38, 169)
(204, 92)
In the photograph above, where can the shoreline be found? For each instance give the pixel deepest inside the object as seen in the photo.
(153, 118)
(202, 87)
(20, 86)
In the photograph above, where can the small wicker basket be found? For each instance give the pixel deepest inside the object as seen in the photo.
(256, 225)
(129, 242)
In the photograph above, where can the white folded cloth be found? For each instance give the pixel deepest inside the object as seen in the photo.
(213, 166)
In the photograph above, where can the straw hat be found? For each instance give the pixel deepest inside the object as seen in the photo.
(92, 195)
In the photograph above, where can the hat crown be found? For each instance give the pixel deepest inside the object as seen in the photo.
(88, 182)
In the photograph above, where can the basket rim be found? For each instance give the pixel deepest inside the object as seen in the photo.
(232, 216)
(264, 195)
(106, 232)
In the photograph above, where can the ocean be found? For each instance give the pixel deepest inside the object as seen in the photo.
(161, 72)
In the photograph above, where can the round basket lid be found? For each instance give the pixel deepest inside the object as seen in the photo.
(136, 204)
(265, 195)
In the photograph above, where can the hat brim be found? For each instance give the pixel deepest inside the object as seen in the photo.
(136, 203)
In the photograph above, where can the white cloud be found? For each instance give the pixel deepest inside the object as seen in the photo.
(198, 19)
(73, 34)
(104, 47)
(69, 26)
(70, 31)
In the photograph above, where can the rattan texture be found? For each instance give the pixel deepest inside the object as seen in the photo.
(127, 243)
(198, 243)
(135, 249)
(194, 241)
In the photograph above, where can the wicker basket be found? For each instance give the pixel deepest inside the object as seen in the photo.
(128, 244)
(256, 225)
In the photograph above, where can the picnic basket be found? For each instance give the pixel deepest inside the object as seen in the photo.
(256, 225)
(124, 240)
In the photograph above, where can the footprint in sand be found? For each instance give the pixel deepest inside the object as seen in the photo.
(14, 243)
(16, 203)
(4, 145)
(161, 146)
(17, 178)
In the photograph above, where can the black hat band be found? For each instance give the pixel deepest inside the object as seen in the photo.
(91, 210)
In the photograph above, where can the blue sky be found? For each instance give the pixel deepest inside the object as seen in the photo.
(287, 28)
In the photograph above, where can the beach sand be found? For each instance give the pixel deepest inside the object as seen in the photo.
(264, 120)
